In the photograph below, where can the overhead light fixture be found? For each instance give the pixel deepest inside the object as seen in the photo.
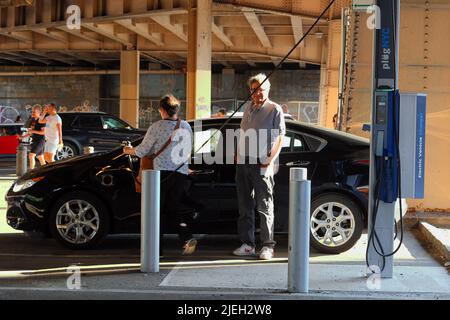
(318, 34)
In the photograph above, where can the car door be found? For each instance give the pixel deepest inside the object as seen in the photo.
(295, 153)
(205, 182)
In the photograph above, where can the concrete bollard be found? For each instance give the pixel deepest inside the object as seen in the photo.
(88, 150)
(299, 230)
(150, 218)
(21, 159)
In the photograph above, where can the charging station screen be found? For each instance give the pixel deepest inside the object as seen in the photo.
(381, 112)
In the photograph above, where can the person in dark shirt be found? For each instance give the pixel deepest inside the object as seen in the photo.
(36, 130)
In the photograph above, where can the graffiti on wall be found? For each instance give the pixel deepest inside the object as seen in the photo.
(8, 114)
(85, 107)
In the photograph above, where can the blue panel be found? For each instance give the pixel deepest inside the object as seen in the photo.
(420, 147)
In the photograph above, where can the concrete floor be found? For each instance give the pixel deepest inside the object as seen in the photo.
(29, 267)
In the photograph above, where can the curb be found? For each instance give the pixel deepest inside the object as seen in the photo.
(413, 218)
(437, 241)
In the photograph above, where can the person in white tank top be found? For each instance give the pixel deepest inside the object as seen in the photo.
(53, 132)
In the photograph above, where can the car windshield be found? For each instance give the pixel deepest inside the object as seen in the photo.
(114, 123)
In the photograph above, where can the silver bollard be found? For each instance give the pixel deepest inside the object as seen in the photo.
(88, 150)
(21, 160)
(150, 221)
(299, 230)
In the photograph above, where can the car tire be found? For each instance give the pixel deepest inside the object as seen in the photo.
(69, 150)
(79, 220)
(338, 235)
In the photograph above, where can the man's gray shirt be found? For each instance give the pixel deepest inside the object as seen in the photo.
(267, 123)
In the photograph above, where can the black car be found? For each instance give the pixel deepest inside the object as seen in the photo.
(100, 130)
(81, 200)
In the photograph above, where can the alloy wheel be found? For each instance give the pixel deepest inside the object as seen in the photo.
(77, 221)
(332, 224)
(65, 153)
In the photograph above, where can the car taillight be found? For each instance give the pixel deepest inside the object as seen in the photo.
(362, 162)
(364, 190)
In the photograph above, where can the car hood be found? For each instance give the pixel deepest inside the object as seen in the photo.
(76, 164)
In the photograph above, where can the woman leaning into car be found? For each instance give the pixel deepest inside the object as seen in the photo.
(163, 142)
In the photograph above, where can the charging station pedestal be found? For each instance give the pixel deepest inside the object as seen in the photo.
(397, 149)
(385, 86)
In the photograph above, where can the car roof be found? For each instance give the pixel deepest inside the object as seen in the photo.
(303, 127)
(82, 112)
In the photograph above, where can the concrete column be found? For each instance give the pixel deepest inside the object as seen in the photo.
(129, 87)
(199, 61)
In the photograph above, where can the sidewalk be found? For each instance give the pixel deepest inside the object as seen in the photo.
(416, 276)
(37, 269)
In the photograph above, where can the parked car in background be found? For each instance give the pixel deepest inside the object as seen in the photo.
(81, 200)
(8, 138)
(100, 130)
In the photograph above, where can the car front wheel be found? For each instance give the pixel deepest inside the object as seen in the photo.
(336, 223)
(79, 220)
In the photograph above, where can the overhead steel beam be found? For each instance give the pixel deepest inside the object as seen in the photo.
(142, 30)
(59, 36)
(16, 3)
(13, 60)
(177, 30)
(46, 56)
(297, 29)
(218, 32)
(21, 56)
(80, 57)
(78, 33)
(107, 30)
(257, 27)
(25, 36)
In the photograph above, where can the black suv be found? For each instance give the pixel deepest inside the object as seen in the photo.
(100, 130)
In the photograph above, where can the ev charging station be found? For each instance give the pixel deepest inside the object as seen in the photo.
(397, 150)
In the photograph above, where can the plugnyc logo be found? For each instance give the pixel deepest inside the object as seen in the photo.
(73, 17)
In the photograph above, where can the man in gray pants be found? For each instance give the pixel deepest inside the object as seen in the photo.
(260, 141)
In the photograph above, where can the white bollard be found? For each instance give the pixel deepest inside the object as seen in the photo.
(150, 218)
(21, 159)
(299, 230)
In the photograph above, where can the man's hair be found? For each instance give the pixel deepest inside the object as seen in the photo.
(37, 107)
(259, 78)
(52, 105)
(170, 104)
(222, 111)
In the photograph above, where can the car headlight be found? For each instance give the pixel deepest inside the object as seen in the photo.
(22, 185)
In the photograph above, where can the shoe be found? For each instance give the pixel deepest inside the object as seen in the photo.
(266, 253)
(244, 250)
(189, 247)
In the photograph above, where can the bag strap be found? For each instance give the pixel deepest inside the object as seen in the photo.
(164, 147)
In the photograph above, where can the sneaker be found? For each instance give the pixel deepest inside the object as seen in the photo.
(266, 253)
(244, 250)
(189, 247)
